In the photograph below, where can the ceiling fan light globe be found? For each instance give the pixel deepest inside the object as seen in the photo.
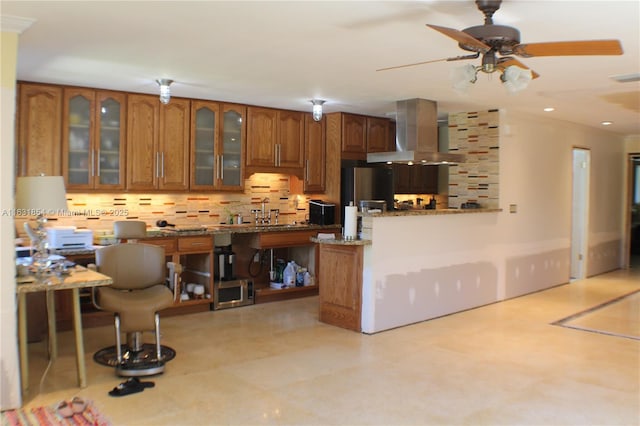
(516, 79)
(463, 77)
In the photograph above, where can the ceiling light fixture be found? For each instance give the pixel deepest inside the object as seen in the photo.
(549, 109)
(514, 77)
(165, 91)
(607, 123)
(317, 109)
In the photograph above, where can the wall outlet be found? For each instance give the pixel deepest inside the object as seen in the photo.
(513, 208)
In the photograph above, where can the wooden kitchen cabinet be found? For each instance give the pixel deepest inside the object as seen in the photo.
(275, 141)
(93, 139)
(354, 137)
(217, 135)
(232, 137)
(205, 125)
(39, 130)
(378, 135)
(340, 273)
(195, 254)
(158, 154)
(315, 149)
(415, 179)
(361, 134)
(262, 137)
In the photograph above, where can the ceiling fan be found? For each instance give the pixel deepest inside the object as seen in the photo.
(490, 40)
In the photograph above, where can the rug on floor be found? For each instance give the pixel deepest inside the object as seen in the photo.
(618, 317)
(47, 416)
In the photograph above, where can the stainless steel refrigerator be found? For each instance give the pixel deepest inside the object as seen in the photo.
(360, 181)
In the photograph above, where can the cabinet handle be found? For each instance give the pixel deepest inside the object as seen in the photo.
(216, 167)
(278, 155)
(98, 163)
(198, 244)
(221, 167)
(162, 163)
(306, 170)
(93, 162)
(157, 164)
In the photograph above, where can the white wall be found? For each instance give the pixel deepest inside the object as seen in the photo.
(9, 378)
(536, 174)
(421, 267)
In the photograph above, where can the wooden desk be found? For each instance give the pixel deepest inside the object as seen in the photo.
(80, 277)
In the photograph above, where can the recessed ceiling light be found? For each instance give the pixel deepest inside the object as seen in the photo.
(549, 109)
(607, 123)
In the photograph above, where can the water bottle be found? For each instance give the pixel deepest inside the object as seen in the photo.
(289, 274)
(300, 277)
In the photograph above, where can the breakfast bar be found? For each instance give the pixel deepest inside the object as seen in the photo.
(412, 266)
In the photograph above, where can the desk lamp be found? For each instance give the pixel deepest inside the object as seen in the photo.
(40, 196)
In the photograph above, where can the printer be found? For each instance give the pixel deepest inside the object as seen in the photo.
(68, 237)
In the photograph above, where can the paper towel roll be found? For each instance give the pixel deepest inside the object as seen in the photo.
(350, 222)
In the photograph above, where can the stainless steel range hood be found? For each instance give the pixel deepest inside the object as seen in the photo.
(416, 136)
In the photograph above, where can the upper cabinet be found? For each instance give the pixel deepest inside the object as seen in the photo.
(378, 135)
(362, 134)
(38, 130)
(354, 137)
(315, 148)
(158, 148)
(217, 133)
(232, 145)
(93, 139)
(275, 141)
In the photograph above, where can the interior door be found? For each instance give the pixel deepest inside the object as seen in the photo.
(580, 212)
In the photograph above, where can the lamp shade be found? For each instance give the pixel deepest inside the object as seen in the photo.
(41, 195)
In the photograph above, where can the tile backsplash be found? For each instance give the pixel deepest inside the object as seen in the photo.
(98, 211)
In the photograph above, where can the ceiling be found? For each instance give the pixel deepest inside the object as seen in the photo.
(283, 54)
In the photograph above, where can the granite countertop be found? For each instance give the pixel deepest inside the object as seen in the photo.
(78, 277)
(212, 230)
(340, 241)
(245, 228)
(427, 212)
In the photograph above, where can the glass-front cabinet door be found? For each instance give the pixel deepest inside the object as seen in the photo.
(110, 140)
(217, 143)
(204, 131)
(232, 143)
(77, 141)
(93, 139)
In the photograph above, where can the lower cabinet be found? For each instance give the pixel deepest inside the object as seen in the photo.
(340, 270)
(195, 254)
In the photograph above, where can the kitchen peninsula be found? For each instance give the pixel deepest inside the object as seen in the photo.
(410, 266)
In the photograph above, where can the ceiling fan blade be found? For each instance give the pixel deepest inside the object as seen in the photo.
(455, 58)
(507, 62)
(569, 48)
(412, 65)
(462, 38)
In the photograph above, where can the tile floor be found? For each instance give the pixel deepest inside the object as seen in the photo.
(502, 364)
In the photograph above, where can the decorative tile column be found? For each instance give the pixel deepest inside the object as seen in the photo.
(476, 135)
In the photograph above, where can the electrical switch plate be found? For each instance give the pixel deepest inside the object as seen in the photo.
(513, 208)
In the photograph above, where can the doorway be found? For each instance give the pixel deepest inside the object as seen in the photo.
(580, 212)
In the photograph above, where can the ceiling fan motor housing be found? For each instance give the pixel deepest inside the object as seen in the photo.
(500, 38)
